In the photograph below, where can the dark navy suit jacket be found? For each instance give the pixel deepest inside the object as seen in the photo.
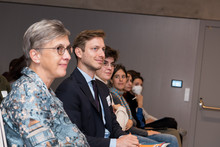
(80, 106)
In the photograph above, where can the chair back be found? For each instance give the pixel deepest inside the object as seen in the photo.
(3, 142)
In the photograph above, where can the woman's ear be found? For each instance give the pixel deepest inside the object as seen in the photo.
(35, 56)
(78, 52)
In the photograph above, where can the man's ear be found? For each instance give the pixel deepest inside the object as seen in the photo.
(34, 55)
(78, 52)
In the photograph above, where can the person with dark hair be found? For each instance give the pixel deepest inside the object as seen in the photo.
(11, 65)
(104, 74)
(135, 100)
(15, 68)
(32, 114)
(109, 52)
(119, 78)
(133, 96)
(86, 99)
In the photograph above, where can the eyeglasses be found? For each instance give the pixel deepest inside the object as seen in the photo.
(61, 49)
(106, 64)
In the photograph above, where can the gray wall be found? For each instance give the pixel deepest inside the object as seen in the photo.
(161, 48)
(200, 9)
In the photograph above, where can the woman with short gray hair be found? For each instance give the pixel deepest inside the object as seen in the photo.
(41, 33)
(32, 114)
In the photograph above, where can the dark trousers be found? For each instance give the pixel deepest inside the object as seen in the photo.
(166, 122)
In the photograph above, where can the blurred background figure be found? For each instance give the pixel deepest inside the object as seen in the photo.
(118, 80)
(4, 87)
(15, 67)
(133, 95)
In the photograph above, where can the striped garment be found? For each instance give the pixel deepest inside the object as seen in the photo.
(118, 94)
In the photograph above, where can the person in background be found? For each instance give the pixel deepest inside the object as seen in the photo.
(135, 99)
(104, 74)
(133, 96)
(32, 114)
(118, 79)
(7, 78)
(87, 100)
(15, 68)
(4, 87)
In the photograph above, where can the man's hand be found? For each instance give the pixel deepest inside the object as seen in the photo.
(127, 141)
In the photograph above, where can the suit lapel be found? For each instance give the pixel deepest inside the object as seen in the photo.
(84, 86)
(105, 105)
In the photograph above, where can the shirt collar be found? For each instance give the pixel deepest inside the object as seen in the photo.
(101, 80)
(86, 76)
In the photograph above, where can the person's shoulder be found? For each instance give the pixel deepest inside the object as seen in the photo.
(72, 77)
(24, 89)
(24, 83)
(102, 85)
(68, 80)
(100, 82)
(2, 78)
(4, 84)
(68, 85)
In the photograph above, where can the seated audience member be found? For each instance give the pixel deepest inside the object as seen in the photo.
(119, 78)
(86, 99)
(134, 98)
(32, 114)
(11, 65)
(104, 74)
(7, 78)
(4, 87)
(15, 68)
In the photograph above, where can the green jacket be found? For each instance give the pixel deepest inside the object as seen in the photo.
(4, 86)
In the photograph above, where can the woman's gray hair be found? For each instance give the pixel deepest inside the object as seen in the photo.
(40, 33)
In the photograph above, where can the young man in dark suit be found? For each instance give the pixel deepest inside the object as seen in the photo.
(95, 119)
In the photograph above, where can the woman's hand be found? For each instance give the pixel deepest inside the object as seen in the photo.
(115, 107)
(149, 120)
(151, 132)
(139, 99)
(129, 124)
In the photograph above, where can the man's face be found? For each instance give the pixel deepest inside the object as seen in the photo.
(105, 72)
(91, 59)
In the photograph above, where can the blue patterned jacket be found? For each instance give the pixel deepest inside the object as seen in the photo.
(34, 116)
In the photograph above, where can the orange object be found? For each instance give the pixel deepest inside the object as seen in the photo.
(162, 144)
